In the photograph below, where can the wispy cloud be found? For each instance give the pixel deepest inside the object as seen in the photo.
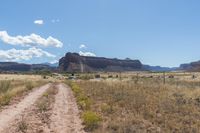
(21, 55)
(86, 53)
(39, 22)
(29, 40)
(55, 20)
(82, 46)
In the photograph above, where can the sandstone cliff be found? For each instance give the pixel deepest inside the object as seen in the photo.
(73, 62)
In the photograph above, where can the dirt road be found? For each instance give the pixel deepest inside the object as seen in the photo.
(65, 118)
(10, 113)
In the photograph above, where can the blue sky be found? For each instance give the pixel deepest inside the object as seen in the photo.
(157, 32)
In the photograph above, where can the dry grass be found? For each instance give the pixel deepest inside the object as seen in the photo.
(22, 126)
(144, 106)
(29, 77)
(10, 89)
(19, 77)
(90, 119)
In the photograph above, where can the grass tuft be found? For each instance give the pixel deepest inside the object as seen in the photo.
(22, 126)
(4, 86)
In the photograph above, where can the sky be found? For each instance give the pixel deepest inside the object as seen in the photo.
(157, 32)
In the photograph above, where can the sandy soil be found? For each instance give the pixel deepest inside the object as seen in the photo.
(33, 119)
(8, 115)
(65, 117)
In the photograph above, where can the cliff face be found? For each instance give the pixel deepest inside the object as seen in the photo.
(73, 62)
(193, 66)
(159, 68)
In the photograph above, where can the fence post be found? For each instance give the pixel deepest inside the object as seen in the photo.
(163, 77)
(137, 78)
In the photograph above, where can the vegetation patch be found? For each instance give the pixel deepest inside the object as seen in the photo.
(90, 118)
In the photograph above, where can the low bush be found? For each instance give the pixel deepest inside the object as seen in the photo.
(76, 89)
(84, 102)
(91, 120)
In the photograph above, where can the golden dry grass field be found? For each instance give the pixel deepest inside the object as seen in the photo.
(13, 86)
(140, 102)
(114, 103)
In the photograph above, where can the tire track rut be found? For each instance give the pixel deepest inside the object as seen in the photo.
(65, 117)
(8, 115)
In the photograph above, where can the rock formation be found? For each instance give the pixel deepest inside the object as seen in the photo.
(73, 62)
(193, 66)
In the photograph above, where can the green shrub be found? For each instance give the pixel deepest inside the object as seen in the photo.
(91, 120)
(76, 89)
(84, 102)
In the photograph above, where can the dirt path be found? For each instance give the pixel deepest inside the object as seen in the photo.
(8, 115)
(65, 117)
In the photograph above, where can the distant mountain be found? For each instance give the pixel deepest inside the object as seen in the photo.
(51, 64)
(159, 68)
(21, 67)
(14, 66)
(193, 66)
(35, 67)
(73, 62)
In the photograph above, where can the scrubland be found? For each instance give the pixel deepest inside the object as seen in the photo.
(140, 104)
(110, 103)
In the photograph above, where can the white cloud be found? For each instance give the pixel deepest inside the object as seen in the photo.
(19, 55)
(54, 61)
(82, 46)
(86, 53)
(29, 40)
(39, 22)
